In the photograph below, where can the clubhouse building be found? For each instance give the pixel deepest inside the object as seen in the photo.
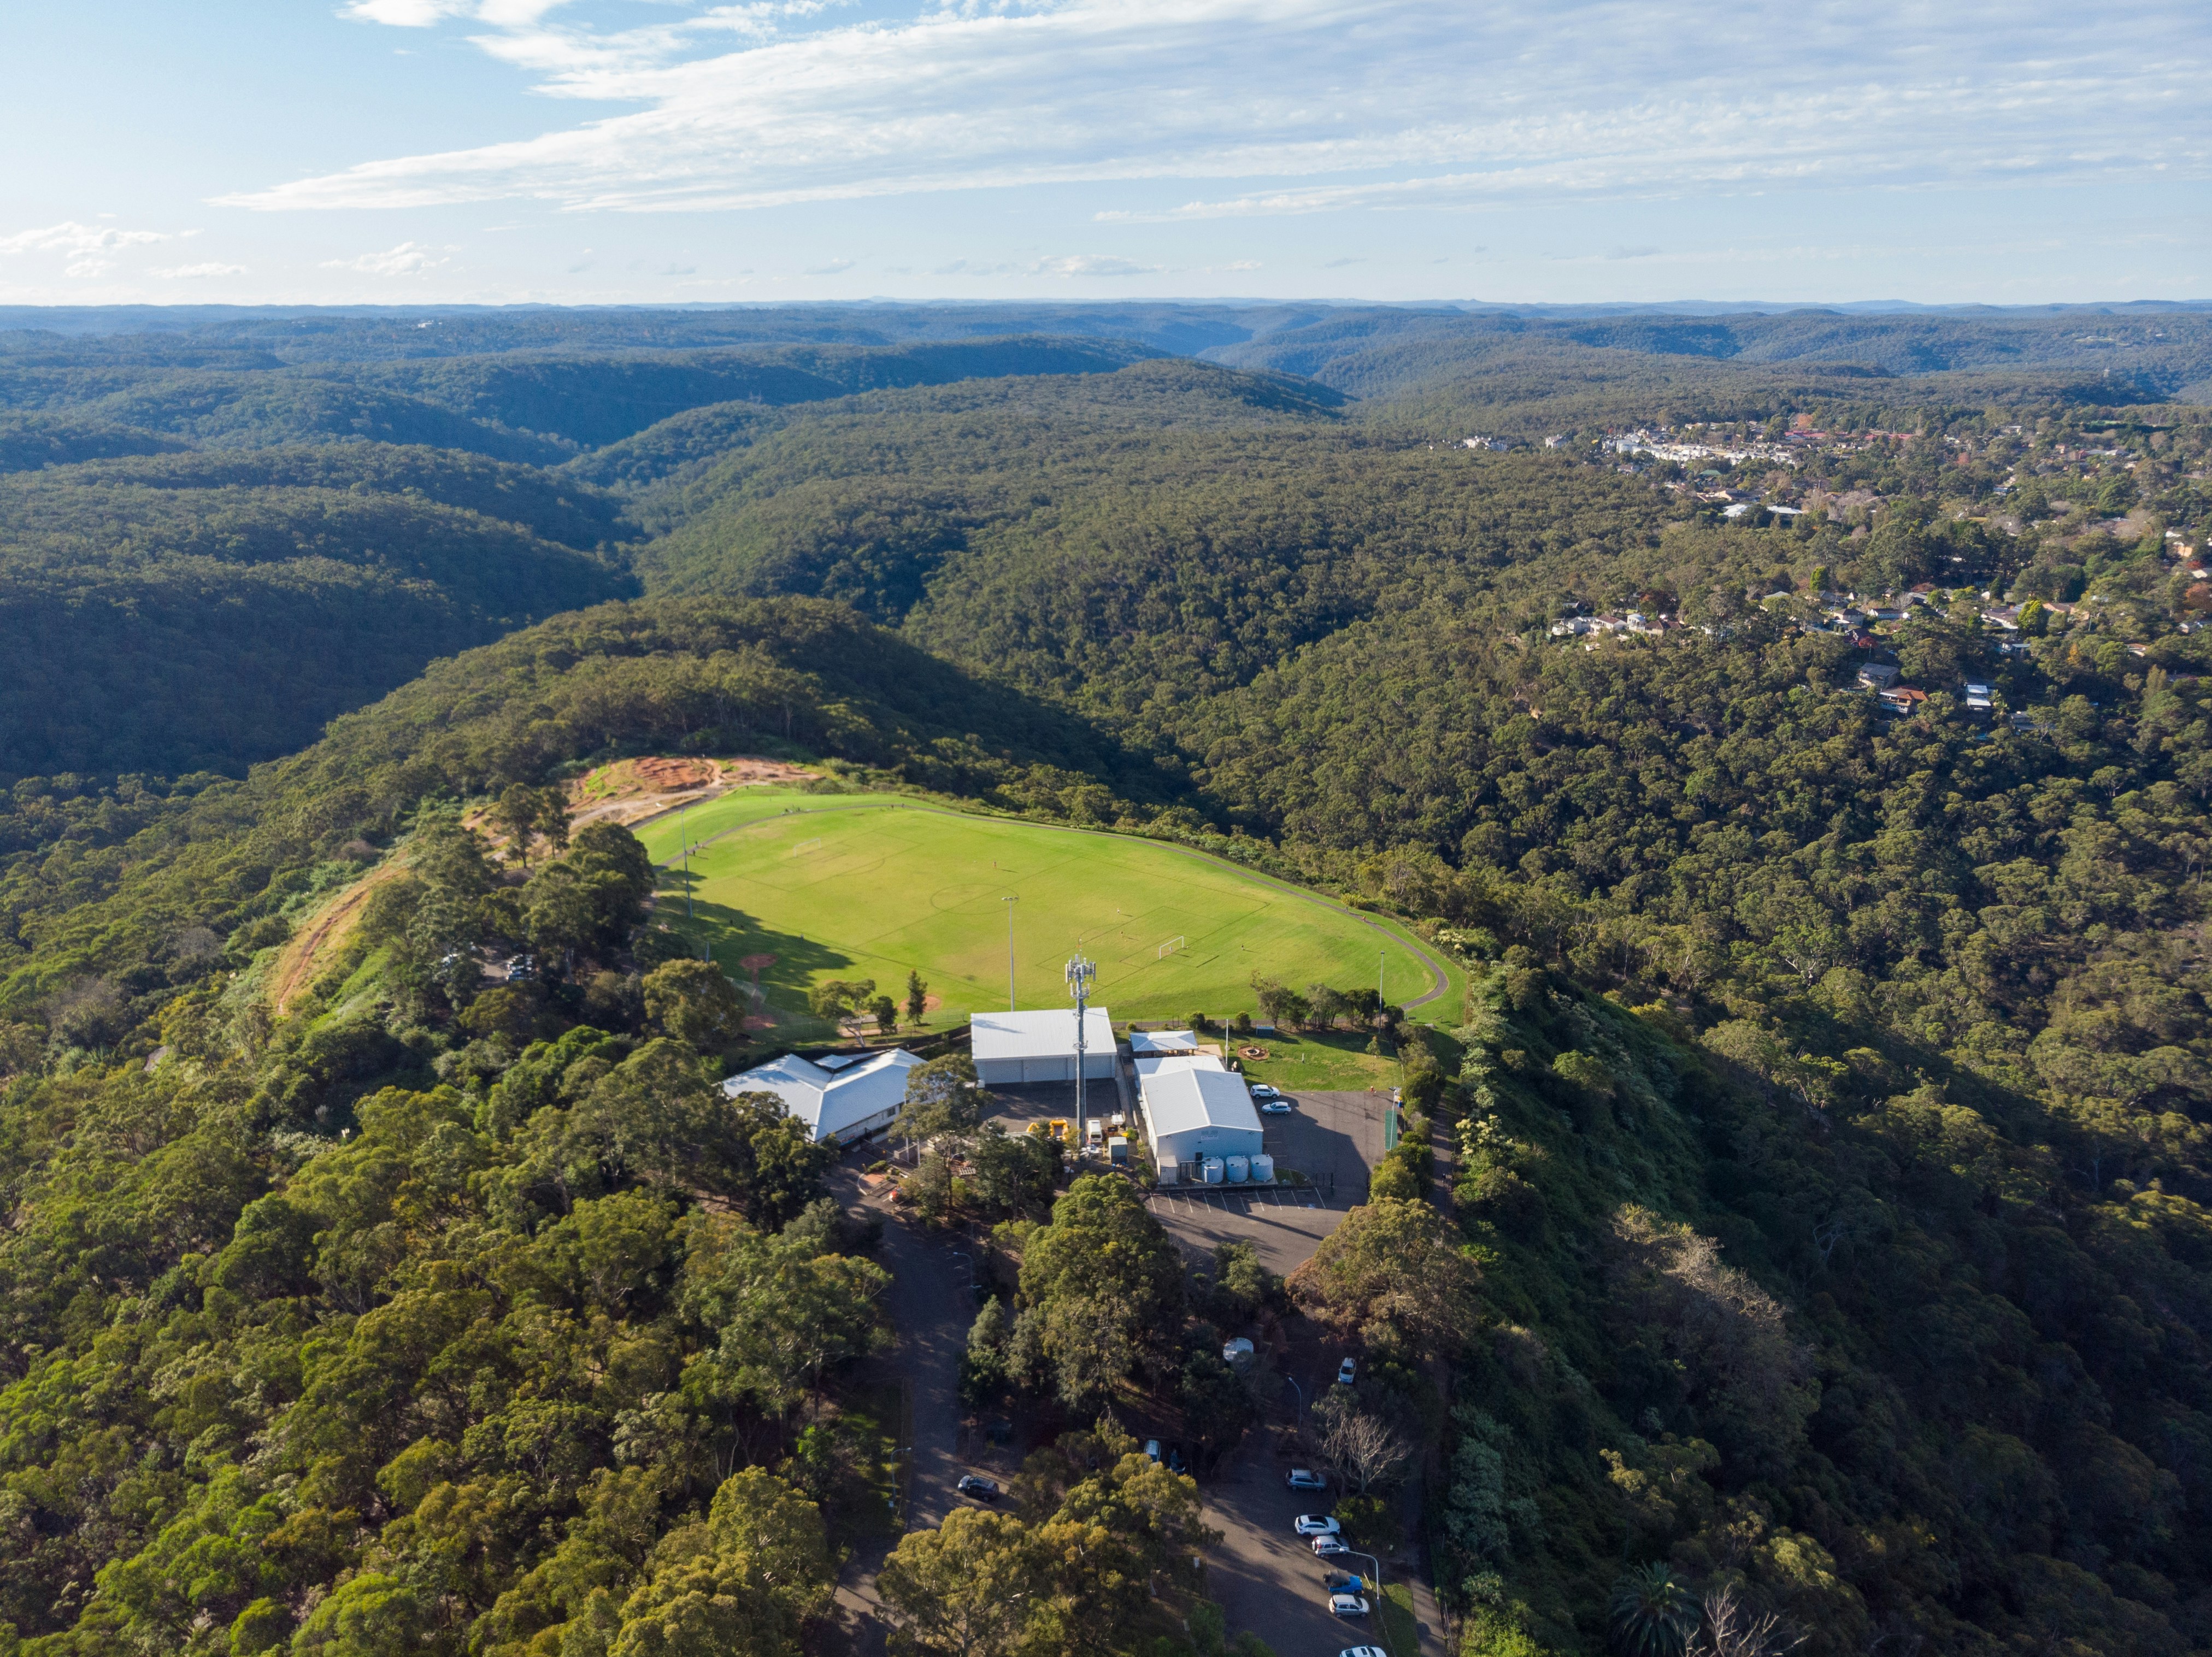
(840, 1099)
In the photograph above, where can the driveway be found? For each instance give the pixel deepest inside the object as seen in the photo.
(931, 1308)
(1269, 1580)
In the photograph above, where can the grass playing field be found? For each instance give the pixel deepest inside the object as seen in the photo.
(789, 888)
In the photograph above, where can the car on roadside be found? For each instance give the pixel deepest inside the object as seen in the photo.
(1261, 1090)
(975, 1484)
(1363, 1651)
(1344, 1582)
(1316, 1524)
(1275, 1107)
(1152, 1449)
(1305, 1479)
(1174, 1461)
(1345, 1371)
(1326, 1546)
(1347, 1605)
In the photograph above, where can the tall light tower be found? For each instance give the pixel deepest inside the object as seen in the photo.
(1081, 974)
(1010, 903)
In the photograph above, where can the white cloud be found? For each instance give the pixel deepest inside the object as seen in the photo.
(87, 247)
(748, 105)
(186, 272)
(830, 267)
(407, 258)
(1090, 265)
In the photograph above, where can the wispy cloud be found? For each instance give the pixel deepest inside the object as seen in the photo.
(407, 258)
(1090, 265)
(830, 267)
(88, 248)
(1334, 102)
(188, 273)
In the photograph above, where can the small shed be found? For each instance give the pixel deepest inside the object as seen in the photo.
(1010, 1048)
(1155, 1043)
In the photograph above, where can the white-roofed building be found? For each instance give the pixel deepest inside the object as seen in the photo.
(840, 1099)
(1150, 1044)
(1195, 1109)
(1016, 1047)
(1154, 1065)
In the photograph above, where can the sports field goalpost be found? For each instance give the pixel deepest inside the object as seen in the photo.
(1168, 949)
(806, 845)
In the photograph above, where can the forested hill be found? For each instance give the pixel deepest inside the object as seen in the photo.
(200, 563)
(1805, 754)
(539, 407)
(184, 613)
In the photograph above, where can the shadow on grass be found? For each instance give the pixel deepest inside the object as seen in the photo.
(783, 964)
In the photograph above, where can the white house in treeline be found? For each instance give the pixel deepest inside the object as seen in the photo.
(841, 1098)
(1018, 1047)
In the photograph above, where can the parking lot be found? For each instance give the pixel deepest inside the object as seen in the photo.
(1267, 1578)
(1331, 1138)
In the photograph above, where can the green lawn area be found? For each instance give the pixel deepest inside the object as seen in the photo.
(1402, 1628)
(1331, 1062)
(871, 885)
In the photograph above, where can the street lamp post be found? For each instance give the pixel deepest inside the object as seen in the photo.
(685, 835)
(1382, 1615)
(1010, 903)
(1301, 1392)
(1081, 974)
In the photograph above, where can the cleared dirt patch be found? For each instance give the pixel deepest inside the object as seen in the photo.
(301, 960)
(631, 791)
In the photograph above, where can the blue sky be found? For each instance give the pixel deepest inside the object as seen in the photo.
(597, 151)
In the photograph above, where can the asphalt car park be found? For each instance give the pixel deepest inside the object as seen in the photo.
(1331, 1138)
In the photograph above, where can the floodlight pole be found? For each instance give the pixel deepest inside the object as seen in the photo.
(1010, 903)
(1080, 976)
(684, 834)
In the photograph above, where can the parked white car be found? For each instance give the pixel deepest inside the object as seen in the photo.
(1326, 1546)
(1316, 1524)
(1305, 1478)
(1261, 1090)
(1347, 1605)
(1276, 1107)
(1344, 1373)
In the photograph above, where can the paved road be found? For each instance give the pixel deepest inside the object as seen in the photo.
(931, 1308)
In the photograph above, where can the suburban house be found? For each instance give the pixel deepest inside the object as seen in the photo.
(1903, 699)
(1877, 675)
(1018, 1047)
(1977, 696)
(1195, 1109)
(840, 1099)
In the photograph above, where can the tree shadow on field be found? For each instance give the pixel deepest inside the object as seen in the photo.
(783, 964)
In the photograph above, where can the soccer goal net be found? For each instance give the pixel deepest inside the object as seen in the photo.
(806, 845)
(1169, 948)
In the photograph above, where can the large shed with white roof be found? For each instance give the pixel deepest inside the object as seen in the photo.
(1194, 1108)
(840, 1099)
(1018, 1047)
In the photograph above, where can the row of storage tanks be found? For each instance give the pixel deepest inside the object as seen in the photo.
(1258, 1169)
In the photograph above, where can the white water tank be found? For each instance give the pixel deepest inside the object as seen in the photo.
(1263, 1169)
(1212, 1170)
(1240, 1170)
